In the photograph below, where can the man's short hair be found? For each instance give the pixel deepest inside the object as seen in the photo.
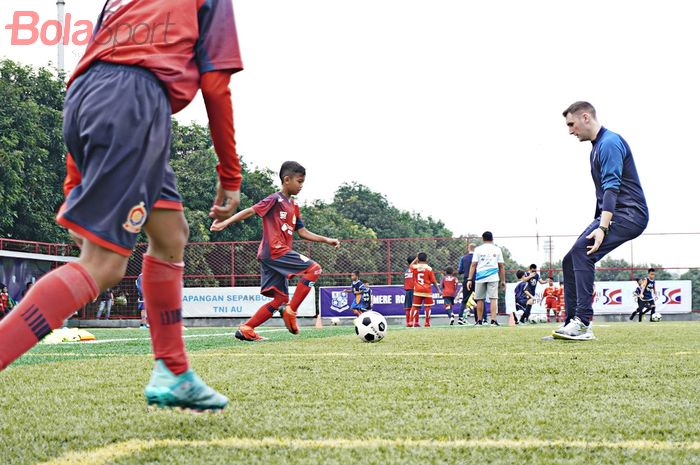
(471, 246)
(651, 270)
(290, 168)
(487, 236)
(422, 257)
(520, 274)
(580, 107)
(410, 259)
(533, 266)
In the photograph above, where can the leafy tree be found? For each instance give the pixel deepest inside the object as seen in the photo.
(32, 153)
(372, 210)
(694, 276)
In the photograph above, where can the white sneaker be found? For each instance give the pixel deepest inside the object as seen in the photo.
(575, 331)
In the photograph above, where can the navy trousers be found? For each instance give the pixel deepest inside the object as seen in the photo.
(579, 268)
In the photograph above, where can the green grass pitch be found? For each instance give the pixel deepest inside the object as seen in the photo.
(441, 395)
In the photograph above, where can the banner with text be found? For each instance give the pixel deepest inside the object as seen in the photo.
(615, 297)
(387, 300)
(232, 302)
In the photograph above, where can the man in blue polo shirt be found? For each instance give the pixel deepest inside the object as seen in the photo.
(621, 215)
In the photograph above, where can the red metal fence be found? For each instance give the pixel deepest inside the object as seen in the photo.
(383, 261)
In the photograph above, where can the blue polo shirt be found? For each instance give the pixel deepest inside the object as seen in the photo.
(617, 186)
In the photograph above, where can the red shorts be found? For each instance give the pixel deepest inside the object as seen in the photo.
(552, 304)
(418, 301)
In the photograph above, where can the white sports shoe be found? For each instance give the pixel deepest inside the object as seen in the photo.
(575, 331)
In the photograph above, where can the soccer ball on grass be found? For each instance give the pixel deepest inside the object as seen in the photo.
(370, 326)
(656, 317)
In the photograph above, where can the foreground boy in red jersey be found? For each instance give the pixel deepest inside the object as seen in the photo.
(278, 262)
(117, 116)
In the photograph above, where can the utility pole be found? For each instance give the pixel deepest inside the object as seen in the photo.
(61, 7)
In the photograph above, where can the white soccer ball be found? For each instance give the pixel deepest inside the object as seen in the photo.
(370, 326)
(656, 317)
(533, 319)
(335, 321)
(541, 318)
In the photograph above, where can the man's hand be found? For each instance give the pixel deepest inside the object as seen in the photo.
(503, 285)
(469, 285)
(225, 203)
(334, 242)
(597, 235)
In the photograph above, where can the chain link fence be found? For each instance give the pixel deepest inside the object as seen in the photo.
(383, 261)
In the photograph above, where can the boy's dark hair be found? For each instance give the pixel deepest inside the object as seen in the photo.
(449, 270)
(651, 270)
(533, 267)
(422, 257)
(290, 168)
(356, 273)
(550, 279)
(520, 274)
(410, 259)
(487, 236)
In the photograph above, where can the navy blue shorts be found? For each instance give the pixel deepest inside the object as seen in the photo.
(275, 272)
(116, 124)
(408, 299)
(448, 300)
(358, 306)
(521, 304)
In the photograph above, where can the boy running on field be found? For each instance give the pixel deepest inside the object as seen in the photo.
(360, 292)
(550, 295)
(423, 279)
(278, 262)
(408, 292)
(449, 291)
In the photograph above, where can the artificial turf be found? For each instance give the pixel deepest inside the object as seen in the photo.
(438, 395)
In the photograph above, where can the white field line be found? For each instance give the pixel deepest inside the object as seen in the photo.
(113, 452)
(186, 336)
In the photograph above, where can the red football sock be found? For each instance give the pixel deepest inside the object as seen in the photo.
(162, 295)
(50, 301)
(408, 315)
(416, 315)
(300, 294)
(427, 315)
(265, 312)
(307, 280)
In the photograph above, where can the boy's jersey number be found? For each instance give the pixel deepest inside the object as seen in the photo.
(419, 278)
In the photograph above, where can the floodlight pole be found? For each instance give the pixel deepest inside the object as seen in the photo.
(61, 6)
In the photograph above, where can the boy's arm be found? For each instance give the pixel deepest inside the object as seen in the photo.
(309, 236)
(502, 274)
(217, 99)
(472, 270)
(242, 215)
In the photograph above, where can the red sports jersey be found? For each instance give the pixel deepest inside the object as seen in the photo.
(550, 293)
(408, 280)
(281, 217)
(423, 277)
(177, 40)
(449, 286)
